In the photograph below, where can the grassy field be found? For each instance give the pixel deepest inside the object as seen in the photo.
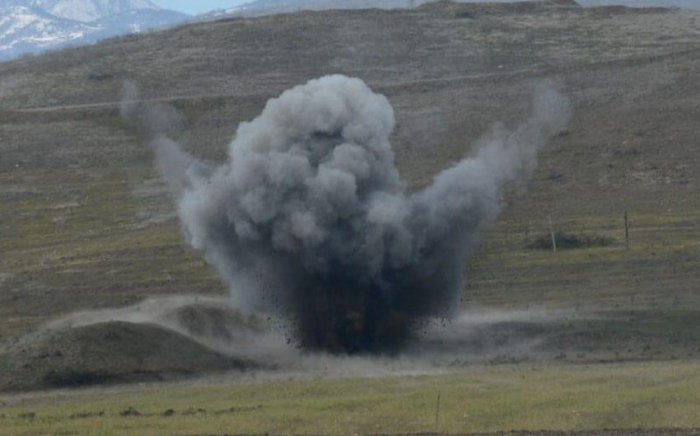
(479, 399)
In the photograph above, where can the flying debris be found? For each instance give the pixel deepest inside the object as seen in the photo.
(309, 219)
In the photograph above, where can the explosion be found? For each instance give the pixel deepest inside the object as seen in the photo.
(309, 220)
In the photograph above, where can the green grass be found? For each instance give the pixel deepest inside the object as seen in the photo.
(480, 399)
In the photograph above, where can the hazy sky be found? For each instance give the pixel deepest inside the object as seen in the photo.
(198, 6)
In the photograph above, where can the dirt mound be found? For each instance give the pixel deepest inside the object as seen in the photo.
(111, 352)
(211, 321)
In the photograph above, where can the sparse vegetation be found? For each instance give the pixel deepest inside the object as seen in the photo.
(85, 222)
(569, 241)
(482, 399)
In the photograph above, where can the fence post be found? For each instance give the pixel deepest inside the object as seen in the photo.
(437, 414)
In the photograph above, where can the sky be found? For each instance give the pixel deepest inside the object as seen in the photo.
(197, 6)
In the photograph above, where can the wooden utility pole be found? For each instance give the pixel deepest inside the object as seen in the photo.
(627, 232)
(551, 232)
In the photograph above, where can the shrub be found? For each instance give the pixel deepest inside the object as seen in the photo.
(569, 241)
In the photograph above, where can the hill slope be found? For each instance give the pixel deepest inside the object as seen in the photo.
(85, 223)
(266, 7)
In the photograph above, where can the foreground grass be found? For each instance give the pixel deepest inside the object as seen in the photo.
(482, 399)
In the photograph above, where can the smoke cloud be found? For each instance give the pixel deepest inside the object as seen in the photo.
(309, 219)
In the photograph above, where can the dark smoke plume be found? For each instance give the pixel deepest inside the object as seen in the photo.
(309, 218)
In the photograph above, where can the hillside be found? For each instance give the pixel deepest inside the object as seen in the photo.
(265, 7)
(85, 222)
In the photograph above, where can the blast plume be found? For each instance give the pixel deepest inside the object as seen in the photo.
(309, 219)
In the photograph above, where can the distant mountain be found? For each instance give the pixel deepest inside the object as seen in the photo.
(32, 26)
(91, 10)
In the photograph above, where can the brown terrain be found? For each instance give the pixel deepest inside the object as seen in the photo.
(86, 224)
